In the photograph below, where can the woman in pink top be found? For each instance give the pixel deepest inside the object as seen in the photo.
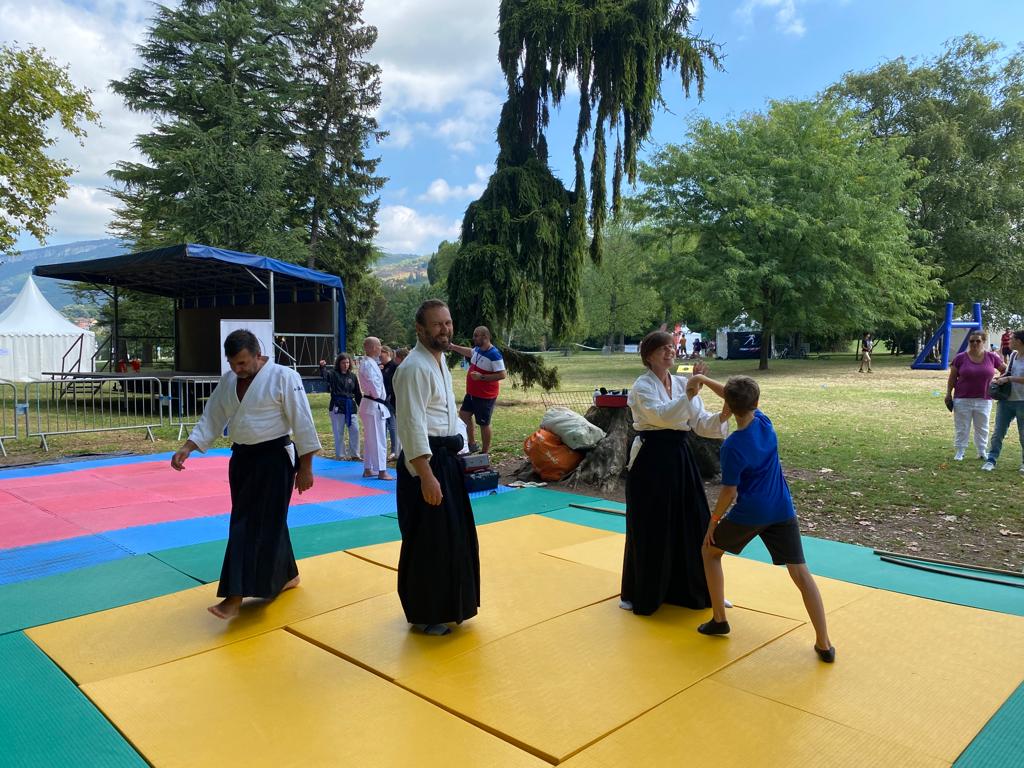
(967, 390)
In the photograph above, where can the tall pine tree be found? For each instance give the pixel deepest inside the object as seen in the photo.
(528, 231)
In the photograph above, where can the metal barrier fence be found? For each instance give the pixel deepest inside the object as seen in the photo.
(578, 401)
(187, 396)
(8, 414)
(82, 405)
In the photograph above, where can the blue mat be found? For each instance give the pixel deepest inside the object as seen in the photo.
(46, 721)
(36, 560)
(1000, 744)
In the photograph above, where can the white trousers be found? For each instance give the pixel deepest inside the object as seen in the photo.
(374, 418)
(968, 411)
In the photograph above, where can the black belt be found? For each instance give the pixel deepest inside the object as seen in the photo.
(450, 443)
(269, 445)
(375, 399)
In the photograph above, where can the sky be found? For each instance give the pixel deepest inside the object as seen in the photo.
(443, 90)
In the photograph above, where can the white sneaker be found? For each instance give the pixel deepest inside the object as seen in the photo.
(1021, 470)
(988, 466)
(959, 455)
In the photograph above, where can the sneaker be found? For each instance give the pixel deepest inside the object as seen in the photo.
(988, 466)
(474, 448)
(959, 455)
(1021, 470)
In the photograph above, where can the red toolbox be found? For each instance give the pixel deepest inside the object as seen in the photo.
(610, 401)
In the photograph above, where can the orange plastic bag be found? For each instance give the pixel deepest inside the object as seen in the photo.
(552, 458)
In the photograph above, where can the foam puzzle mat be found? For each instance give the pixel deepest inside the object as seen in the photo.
(551, 671)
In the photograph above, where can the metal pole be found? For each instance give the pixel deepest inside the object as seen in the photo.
(273, 322)
(113, 336)
(334, 325)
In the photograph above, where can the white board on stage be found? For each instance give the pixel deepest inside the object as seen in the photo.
(264, 330)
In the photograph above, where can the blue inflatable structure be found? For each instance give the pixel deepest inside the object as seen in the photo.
(945, 334)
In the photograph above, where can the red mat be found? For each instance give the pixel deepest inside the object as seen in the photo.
(39, 509)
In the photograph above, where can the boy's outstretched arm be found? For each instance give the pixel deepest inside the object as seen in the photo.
(694, 382)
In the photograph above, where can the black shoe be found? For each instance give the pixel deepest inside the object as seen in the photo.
(714, 628)
(828, 656)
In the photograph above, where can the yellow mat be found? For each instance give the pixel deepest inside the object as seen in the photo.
(712, 724)
(748, 583)
(276, 700)
(923, 674)
(504, 539)
(557, 686)
(516, 594)
(141, 635)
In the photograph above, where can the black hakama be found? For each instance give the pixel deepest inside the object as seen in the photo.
(667, 517)
(439, 566)
(259, 559)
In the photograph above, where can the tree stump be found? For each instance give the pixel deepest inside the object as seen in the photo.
(605, 464)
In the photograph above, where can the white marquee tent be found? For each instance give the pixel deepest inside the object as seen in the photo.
(34, 338)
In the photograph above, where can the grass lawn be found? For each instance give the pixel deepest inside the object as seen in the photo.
(871, 450)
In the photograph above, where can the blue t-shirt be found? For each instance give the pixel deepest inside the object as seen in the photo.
(750, 461)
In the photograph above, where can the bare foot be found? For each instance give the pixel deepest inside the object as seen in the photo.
(226, 608)
(385, 476)
(367, 473)
(291, 584)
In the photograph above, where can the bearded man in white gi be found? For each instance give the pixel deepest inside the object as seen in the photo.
(439, 566)
(264, 406)
(373, 412)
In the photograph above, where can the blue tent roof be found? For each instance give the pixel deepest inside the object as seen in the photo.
(181, 271)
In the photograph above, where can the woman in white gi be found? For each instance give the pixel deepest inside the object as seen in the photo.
(666, 510)
(373, 412)
(264, 406)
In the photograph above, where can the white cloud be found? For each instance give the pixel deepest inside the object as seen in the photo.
(787, 18)
(84, 214)
(440, 191)
(405, 230)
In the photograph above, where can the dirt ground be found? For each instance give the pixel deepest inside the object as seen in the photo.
(943, 537)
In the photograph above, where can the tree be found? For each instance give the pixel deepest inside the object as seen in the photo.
(618, 296)
(800, 220)
(528, 232)
(215, 75)
(960, 118)
(333, 184)
(34, 90)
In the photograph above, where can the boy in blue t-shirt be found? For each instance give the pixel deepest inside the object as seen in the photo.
(752, 478)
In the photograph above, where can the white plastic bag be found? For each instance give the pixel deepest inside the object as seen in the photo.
(575, 431)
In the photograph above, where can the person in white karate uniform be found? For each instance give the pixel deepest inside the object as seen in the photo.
(373, 412)
(264, 408)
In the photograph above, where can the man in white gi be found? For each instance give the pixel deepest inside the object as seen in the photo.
(261, 404)
(439, 566)
(373, 412)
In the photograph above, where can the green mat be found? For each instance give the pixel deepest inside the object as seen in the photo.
(95, 588)
(46, 721)
(859, 565)
(603, 520)
(1001, 742)
(203, 561)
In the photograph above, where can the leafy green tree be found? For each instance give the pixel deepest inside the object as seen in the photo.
(34, 90)
(799, 215)
(619, 295)
(333, 183)
(441, 263)
(960, 118)
(216, 76)
(528, 232)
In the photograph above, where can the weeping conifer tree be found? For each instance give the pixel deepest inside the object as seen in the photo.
(528, 232)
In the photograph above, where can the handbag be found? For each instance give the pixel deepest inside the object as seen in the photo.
(1004, 390)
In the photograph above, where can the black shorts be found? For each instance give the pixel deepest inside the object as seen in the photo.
(781, 539)
(1005, 351)
(480, 407)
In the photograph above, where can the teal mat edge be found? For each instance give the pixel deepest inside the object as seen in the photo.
(45, 720)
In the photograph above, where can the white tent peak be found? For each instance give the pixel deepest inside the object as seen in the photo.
(35, 337)
(32, 313)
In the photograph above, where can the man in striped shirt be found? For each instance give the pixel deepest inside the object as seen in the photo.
(486, 369)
